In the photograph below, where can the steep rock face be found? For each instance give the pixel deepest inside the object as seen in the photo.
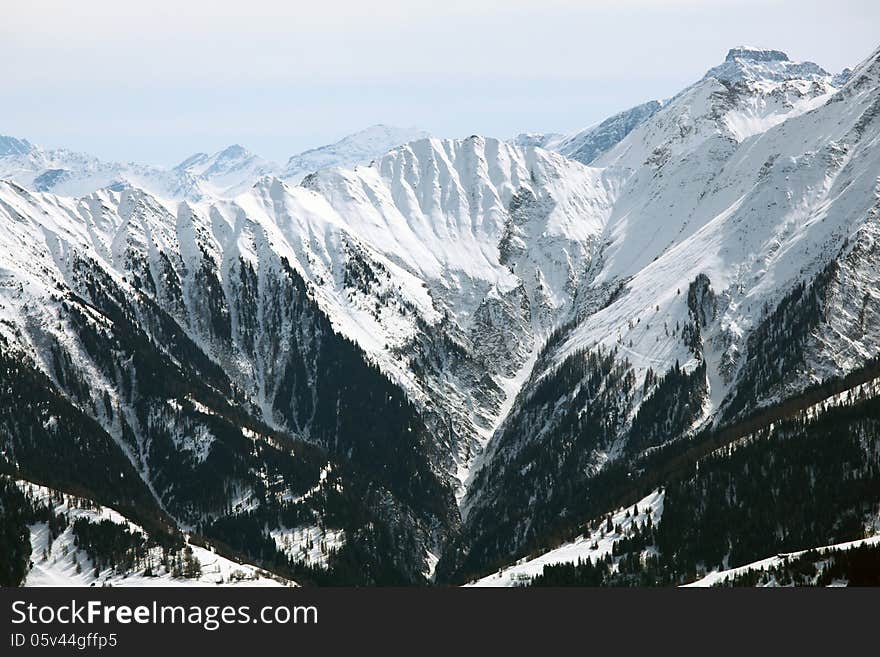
(848, 334)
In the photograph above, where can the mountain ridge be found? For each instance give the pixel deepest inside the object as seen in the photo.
(224, 173)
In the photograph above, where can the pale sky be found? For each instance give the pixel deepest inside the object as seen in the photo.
(156, 81)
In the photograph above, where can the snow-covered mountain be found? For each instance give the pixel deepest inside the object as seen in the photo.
(224, 174)
(499, 238)
(486, 262)
(70, 173)
(687, 206)
(358, 148)
(769, 85)
(10, 146)
(715, 229)
(537, 139)
(759, 66)
(471, 348)
(586, 145)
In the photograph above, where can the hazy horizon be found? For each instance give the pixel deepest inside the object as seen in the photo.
(158, 83)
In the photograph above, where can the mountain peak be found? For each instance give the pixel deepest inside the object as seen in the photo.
(14, 146)
(746, 64)
(356, 148)
(381, 136)
(234, 151)
(756, 54)
(201, 163)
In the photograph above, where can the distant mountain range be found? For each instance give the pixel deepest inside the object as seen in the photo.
(226, 173)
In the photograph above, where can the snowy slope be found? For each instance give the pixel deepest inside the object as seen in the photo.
(765, 87)
(589, 143)
(441, 208)
(67, 565)
(693, 207)
(721, 576)
(593, 545)
(544, 140)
